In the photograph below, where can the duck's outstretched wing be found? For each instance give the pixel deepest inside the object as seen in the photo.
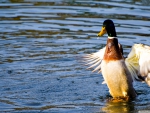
(94, 60)
(138, 62)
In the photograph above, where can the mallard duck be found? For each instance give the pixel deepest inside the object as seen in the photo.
(120, 72)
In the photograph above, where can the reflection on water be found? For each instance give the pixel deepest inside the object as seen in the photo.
(41, 41)
(119, 107)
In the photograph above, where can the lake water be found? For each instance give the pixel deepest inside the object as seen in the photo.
(41, 42)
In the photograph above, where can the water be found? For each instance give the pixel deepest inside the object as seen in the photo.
(41, 42)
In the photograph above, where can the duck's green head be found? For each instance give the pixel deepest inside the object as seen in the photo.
(109, 28)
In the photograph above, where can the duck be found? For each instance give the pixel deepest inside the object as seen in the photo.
(120, 72)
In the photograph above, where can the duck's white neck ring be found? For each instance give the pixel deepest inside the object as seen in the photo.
(112, 37)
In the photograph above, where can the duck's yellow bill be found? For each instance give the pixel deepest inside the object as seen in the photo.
(102, 32)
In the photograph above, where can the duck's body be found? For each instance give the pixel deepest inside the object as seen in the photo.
(115, 72)
(118, 72)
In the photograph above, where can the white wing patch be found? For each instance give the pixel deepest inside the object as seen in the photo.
(138, 62)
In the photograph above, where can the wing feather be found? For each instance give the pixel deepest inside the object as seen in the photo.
(94, 60)
(138, 62)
